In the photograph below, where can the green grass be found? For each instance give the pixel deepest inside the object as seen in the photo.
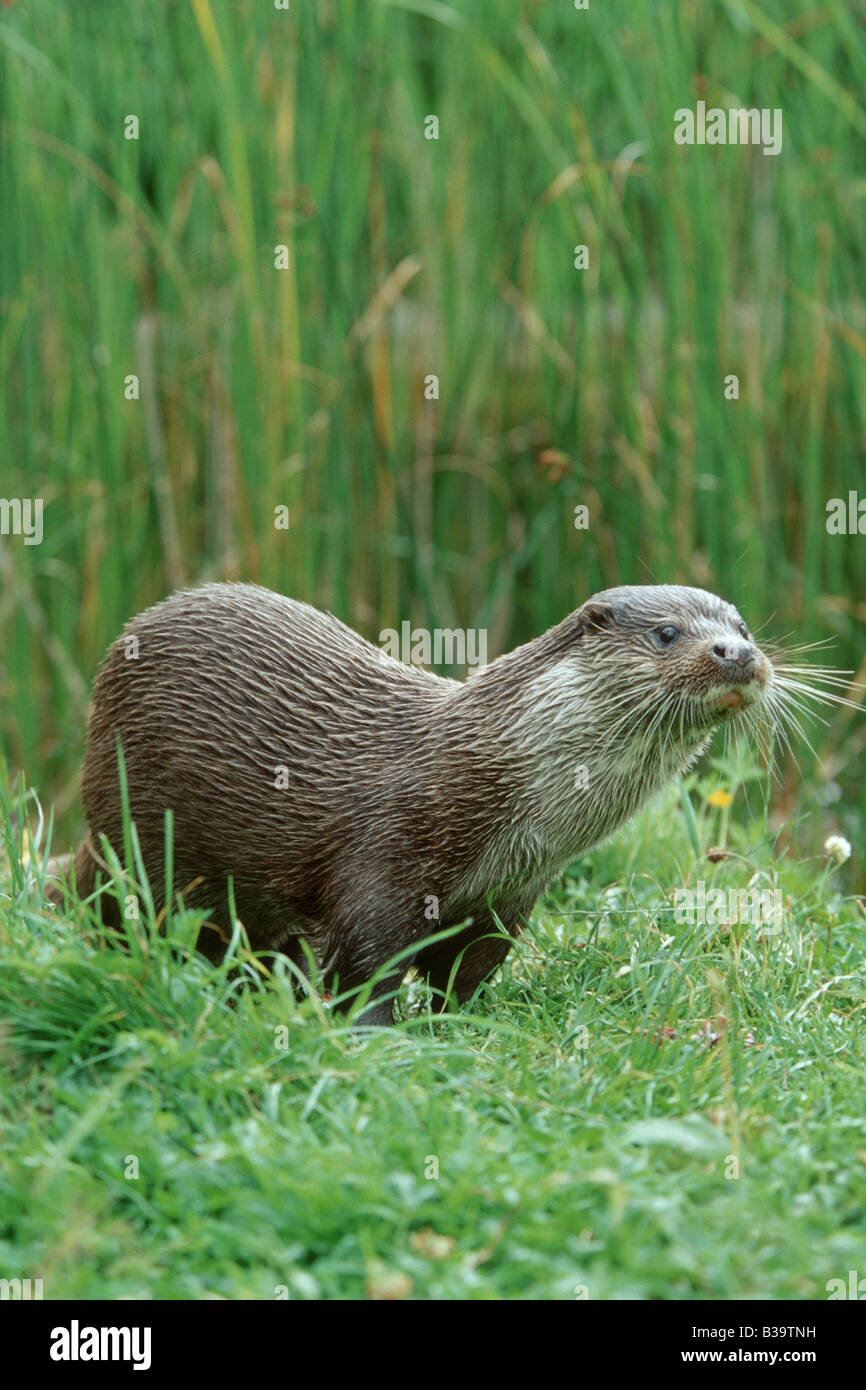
(587, 1114)
(561, 1165)
(409, 256)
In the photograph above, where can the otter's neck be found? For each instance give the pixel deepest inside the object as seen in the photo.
(553, 755)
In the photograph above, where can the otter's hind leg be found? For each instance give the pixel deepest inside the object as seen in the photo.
(59, 875)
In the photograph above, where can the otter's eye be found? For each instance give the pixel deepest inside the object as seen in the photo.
(743, 630)
(667, 634)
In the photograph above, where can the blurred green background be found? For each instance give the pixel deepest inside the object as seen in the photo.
(410, 257)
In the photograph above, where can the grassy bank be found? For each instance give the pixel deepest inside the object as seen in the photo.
(636, 1109)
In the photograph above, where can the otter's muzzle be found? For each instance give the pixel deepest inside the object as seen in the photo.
(737, 659)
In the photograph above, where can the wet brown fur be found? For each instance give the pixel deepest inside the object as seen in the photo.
(404, 788)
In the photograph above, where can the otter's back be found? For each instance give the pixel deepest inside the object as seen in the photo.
(269, 729)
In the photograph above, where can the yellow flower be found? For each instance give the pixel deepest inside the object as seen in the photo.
(719, 799)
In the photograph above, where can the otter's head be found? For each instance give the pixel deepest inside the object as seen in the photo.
(676, 660)
(640, 676)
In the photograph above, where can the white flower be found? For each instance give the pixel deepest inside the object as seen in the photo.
(838, 848)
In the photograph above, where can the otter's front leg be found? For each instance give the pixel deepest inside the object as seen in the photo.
(370, 921)
(482, 954)
(378, 1014)
(351, 967)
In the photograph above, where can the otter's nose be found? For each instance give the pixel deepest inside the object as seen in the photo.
(732, 654)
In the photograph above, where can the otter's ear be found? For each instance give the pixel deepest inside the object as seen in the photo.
(594, 616)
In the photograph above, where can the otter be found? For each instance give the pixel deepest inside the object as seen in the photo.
(362, 805)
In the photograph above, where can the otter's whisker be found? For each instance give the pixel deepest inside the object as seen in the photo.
(826, 697)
